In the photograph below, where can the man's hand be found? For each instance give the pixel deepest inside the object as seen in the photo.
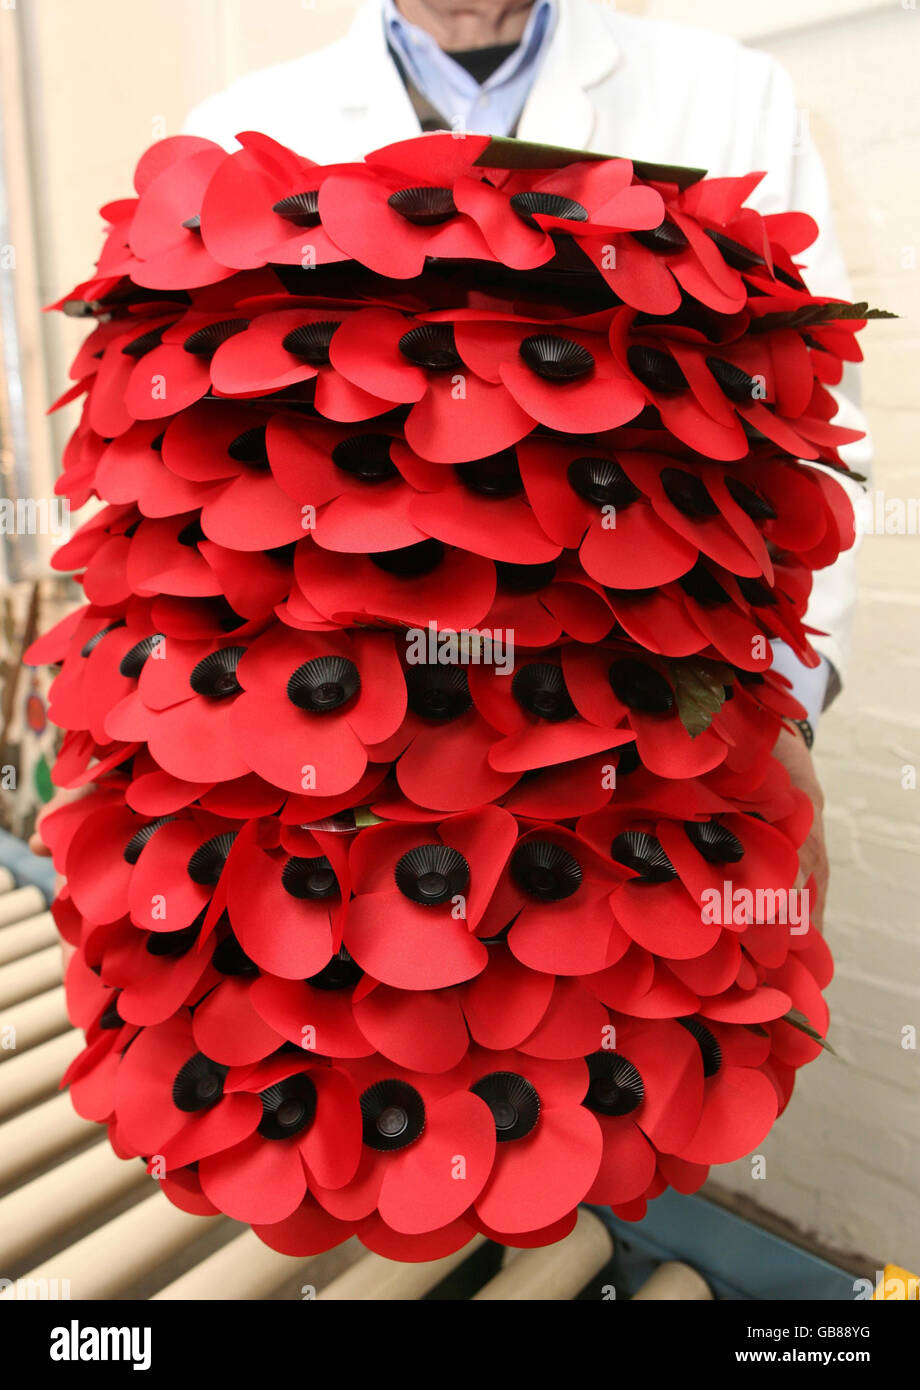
(63, 797)
(38, 846)
(797, 760)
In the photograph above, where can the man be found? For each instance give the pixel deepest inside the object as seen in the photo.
(575, 73)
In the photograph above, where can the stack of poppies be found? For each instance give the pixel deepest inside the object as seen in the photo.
(433, 871)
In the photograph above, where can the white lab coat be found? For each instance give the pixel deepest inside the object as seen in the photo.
(610, 82)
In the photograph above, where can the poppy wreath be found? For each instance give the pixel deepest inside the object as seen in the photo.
(432, 871)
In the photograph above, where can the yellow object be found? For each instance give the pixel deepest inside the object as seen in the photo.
(896, 1282)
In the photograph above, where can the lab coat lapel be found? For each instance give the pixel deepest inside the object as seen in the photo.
(559, 110)
(374, 106)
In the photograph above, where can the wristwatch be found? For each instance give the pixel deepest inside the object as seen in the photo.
(807, 732)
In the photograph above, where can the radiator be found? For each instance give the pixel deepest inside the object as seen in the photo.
(80, 1223)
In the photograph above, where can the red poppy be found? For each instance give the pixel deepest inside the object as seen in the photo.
(182, 707)
(413, 585)
(555, 890)
(739, 1100)
(429, 1146)
(646, 1094)
(169, 1095)
(398, 208)
(561, 372)
(308, 1133)
(590, 201)
(420, 894)
(536, 721)
(312, 705)
(165, 236)
(288, 346)
(351, 479)
(549, 1146)
(586, 500)
(610, 686)
(260, 206)
(506, 1005)
(457, 414)
(155, 973)
(286, 908)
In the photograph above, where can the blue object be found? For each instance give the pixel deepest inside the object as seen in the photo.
(26, 867)
(738, 1260)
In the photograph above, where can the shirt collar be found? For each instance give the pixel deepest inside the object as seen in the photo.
(413, 43)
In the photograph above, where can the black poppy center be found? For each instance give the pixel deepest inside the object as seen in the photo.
(132, 850)
(250, 448)
(496, 475)
(393, 1115)
(710, 1050)
(146, 342)
(438, 692)
(524, 579)
(324, 684)
(204, 342)
(547, 204)
(215, 675)
(701, 584)
(198, 1084)
(341, 972)
(614, 1086)
(206, 864)
(751, 502)
(737, 385)
(514, 1102)
(644, 853)
(431, 345)
(639, 686)
(556, 358)
(365, 456)
(432, 874)
(229, 958)
(424, 206)
(545, 871)
(540, 689)
(714, 841)
(655, 369)
(132, 663)
(601, 481)
(411, 561)
(309, 878)
(300, 209)
(310, 341)
(288, 1107)
(97, 637)
(172, 943)
(687, 492)
(667, 237)
(191, 534)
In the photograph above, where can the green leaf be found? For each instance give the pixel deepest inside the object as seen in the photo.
(797, 1019)
(504, 152)
(43, 783)
(364, 817)
(812, 315)
(699, 688)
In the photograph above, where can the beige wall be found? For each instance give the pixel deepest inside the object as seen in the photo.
(106, 77)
